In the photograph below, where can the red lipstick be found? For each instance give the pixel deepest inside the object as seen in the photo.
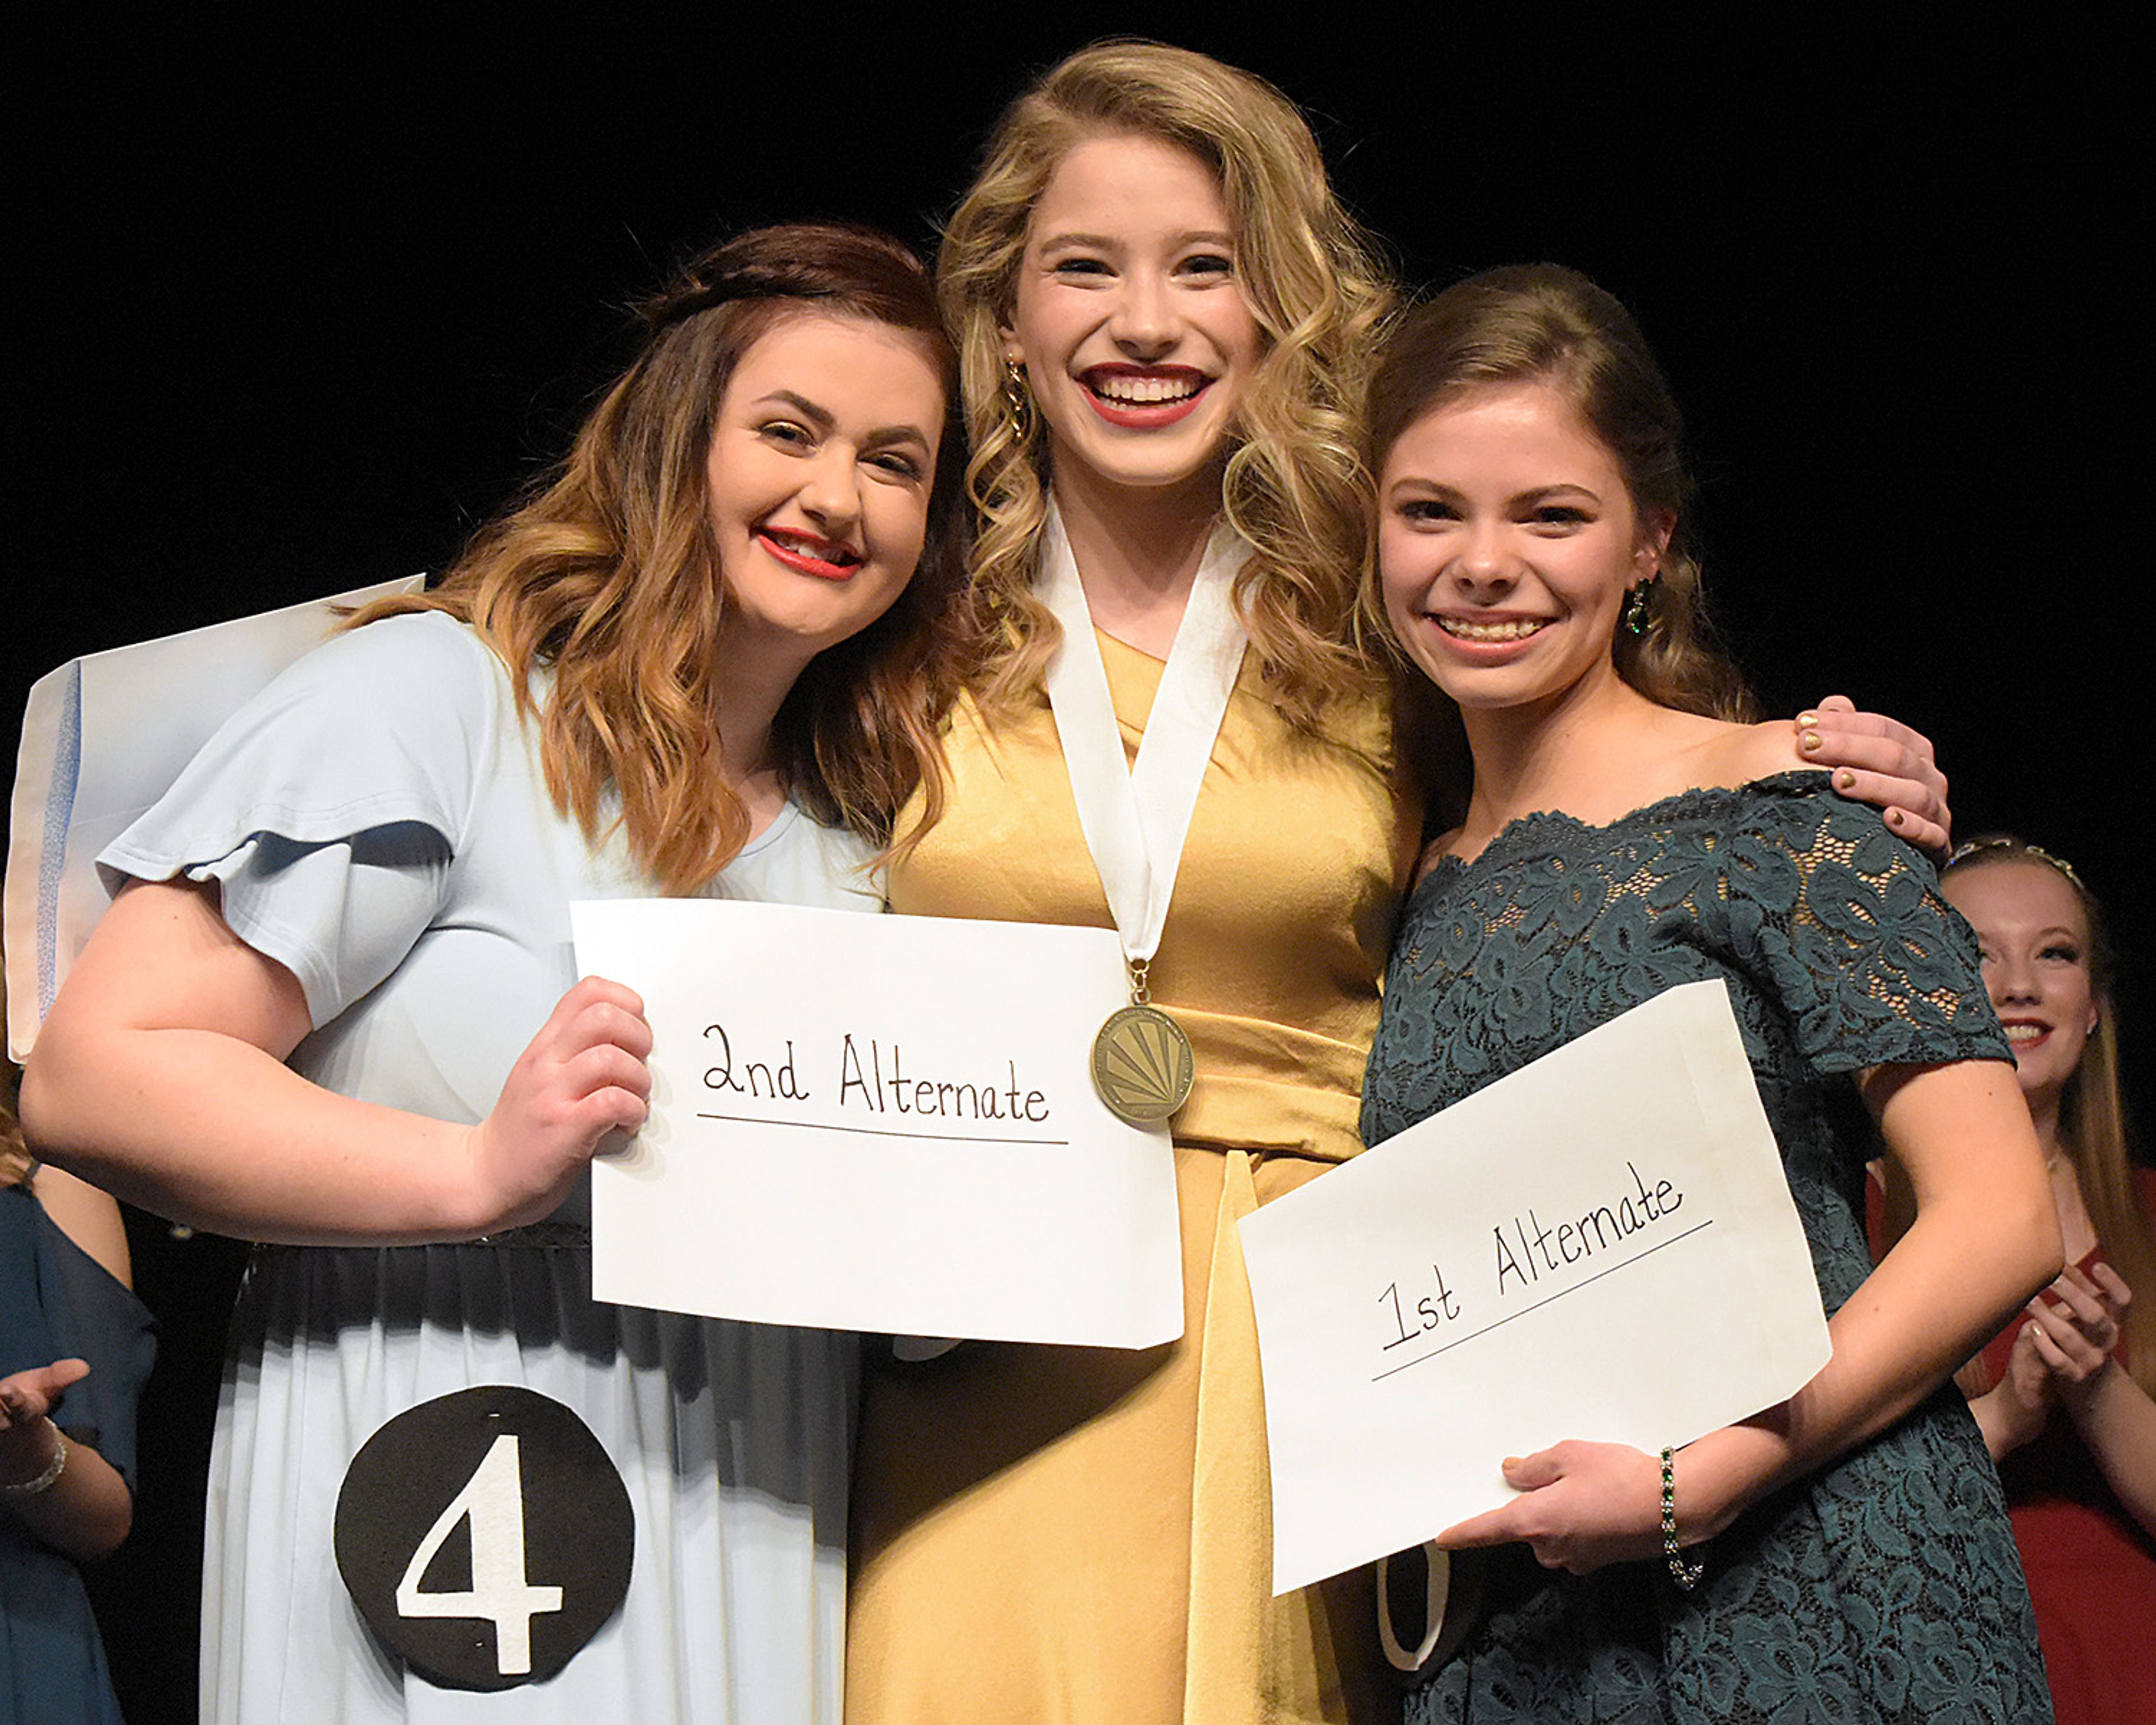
(826, 559)
(1179, 387)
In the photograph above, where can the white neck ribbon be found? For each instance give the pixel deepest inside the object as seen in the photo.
(1136, 817)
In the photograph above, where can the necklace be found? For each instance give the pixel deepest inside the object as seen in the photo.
(1136, 818)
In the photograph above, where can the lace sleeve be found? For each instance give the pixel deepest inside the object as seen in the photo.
(1874, 967)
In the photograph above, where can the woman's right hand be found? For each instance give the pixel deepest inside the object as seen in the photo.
(2015, 1409)
(582, 1076)
(160, 1076)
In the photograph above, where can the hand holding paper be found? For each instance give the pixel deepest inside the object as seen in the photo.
(1503, 1277)
(1582, 1504)
(582, 1076)
(879, 1123)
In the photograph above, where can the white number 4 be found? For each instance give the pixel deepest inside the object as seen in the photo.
(493, 1498)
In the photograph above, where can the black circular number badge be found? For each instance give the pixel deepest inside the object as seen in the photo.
(484, 1537)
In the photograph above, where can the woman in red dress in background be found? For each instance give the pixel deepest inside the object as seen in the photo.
(2064, 1395)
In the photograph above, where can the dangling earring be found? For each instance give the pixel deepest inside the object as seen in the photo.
(1639, 600)
(1018, 400)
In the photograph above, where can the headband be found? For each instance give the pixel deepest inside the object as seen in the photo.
(1978, 849)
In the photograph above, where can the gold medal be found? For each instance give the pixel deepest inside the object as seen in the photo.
(1142, 1066)
(1136, 814)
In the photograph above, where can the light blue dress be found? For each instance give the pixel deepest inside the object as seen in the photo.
(379, 825)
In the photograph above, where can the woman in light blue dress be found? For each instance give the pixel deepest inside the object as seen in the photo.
(334, 1008)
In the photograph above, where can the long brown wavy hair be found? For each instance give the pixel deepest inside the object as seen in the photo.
(16, 1161)
(2092, 1119)
(1543, 323)
(1294, 485)
(607, 576)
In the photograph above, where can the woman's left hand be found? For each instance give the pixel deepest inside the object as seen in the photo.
(1581, 1506)
(2074, 1324)
(1880, 761)
(30, 1396)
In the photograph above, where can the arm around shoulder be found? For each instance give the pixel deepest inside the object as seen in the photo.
(1882, 762)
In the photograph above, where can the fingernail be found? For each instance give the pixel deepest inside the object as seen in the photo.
(1805, 720)
(1845, 780)
(1894, 818)
(1808, 742)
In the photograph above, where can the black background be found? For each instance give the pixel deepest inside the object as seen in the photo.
(300, 306)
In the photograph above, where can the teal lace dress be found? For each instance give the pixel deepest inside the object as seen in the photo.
(1885, 1587)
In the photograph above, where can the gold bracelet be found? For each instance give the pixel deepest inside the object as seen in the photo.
(1685, 1575)
(53, 1469)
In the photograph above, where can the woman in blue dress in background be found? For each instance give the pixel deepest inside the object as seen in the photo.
(1845, 1555)
(75, 1346)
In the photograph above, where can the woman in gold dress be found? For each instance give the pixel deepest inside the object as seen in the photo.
(1165, 319)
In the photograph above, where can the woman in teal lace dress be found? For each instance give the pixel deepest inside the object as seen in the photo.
(1845, 1555)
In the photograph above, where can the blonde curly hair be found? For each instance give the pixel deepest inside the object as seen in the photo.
(1295, 484)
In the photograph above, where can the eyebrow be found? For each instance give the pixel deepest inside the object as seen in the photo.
(882, 437)
(1109, 241)
(1416, 481)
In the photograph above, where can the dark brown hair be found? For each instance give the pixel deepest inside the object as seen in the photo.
(1543, 323)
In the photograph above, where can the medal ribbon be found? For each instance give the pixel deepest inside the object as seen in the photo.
(1136, 817)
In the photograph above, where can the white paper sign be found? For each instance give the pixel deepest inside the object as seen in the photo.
(1601, 1245)
(103, 737)
(879, 1123)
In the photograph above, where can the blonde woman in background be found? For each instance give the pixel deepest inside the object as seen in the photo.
(2064, 1395)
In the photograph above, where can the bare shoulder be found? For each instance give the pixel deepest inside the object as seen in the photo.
(1736, 754)
(88, 1216)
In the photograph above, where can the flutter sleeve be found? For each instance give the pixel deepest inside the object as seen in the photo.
(1873, 967)
(330, 808)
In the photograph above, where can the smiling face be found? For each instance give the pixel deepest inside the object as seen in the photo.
(823, 453)
(2034, 937)
(1135, 340)
(1506, 541)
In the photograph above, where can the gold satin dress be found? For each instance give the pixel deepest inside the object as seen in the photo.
(1051, 1534)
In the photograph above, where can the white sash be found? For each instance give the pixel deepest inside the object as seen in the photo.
(1136, 818)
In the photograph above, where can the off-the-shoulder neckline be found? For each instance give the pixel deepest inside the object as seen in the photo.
(1511, 838)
